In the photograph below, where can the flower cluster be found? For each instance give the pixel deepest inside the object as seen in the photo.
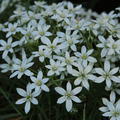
(62, 43)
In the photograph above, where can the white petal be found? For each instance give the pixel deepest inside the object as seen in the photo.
(75, 99)
(45, 88)
(40, 75)
(83, 49)
(68, 105)
(103, 109)
(50, 73)
(34, 101)
(4, 54)
(21, 101)
(118, 105)
(60, 90)
(99, 79)
(102, 39)
(108, 83)
(45, 40)
(90, 52)
(91, 59)
(45, 80)
(105, 101)
(77, 81)
(28, 73)
(115, 79)
(21, 92)
(114, 70)
(14, 74)
(27, 107)
(69, 86)
(91, 77)
(88, 69)
(76, 90)
(112, 97)
(61, 100)
(104, 52)
(85, 84)
(99, 71)
(107, 66)
(19, 75)
(107, 114)
(33, 79)
(73, 47)
(110, 106)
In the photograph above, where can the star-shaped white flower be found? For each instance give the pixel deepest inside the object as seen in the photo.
(107, 75)
(55, 67)
(8, 46)
(69, 39)
(28, 97)
(68, 61)
(42, 30)
(85, 56)
(39, 82)
(42, 53)
(11, 30)
(21, 66)
(68, 95)
(103, 45)
(111, 108)
(83, 74)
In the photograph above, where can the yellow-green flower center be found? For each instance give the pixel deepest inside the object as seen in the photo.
(116, 113)
(42, 33)
(68, 61)
(84, 56)
(28, 97)
(114, 46)
(39, 83)
(8, 47)
(106, 75)
(52, 47)
(68, 94)
(54, 68)
(21, 69)
(12, 29)
(70, 42)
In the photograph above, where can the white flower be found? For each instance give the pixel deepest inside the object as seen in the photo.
(8, 66)
(78, 24)
(68, 61)
(21, 66)
(107, 75)
(61, 15)
(28, 97)
(85, 56)
(73, 10)
(104, 45)
(29, 16)
(11, 30)
(53, 46)
(68, 95)
(55, 67)
(111, 109)
(7, 46)
(106, 20)
(27, 33)
(69, 40)
(39, 82)
(114, 46)
(42, 30)
(42, 53)
(83, 74)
